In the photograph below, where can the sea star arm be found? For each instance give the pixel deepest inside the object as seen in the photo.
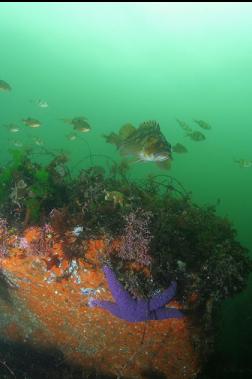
(108, 305)
(163, 298)
(121, 296)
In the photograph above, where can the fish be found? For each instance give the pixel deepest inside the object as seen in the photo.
(184, 125)
(4, 86)
(79, 123)
(12, 128)
(31, 122)
(203, 124)
(145, 143)
(38, 141)
(42, 103)
(115, 196)
(17, 143)
(71, 136)
(179, 149)
(196, 136)
(244, 163)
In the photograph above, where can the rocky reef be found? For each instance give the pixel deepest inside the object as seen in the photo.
(56, 231)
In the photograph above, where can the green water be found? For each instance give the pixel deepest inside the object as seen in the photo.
(126, 62)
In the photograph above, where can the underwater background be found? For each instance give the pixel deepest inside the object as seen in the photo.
(131, 62)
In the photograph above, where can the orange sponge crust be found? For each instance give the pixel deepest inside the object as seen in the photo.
(52, 310)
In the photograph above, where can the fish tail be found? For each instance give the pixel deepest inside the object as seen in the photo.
(113, 138)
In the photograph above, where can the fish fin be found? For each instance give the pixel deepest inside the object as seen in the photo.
(113, 138)
(137, 160)
(150, 126)
(174, 147)
(165, 165)
(178, 148)
(66, 120)
(126, 130)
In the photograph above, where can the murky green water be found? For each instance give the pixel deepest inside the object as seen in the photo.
(125, 62)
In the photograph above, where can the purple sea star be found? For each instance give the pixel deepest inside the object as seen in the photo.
(135, 310)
